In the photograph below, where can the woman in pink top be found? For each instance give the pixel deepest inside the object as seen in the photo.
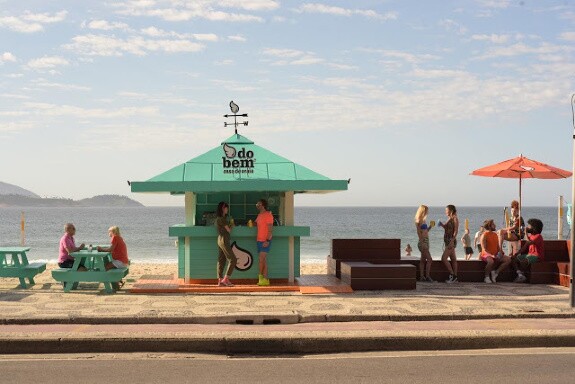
(264, 222)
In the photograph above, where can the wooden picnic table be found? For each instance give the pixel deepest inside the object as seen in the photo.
(95, 263)
(14, 263)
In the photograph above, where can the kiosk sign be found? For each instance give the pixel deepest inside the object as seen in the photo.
(237, 161)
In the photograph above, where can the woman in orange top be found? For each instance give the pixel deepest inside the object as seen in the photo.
(491, 252)
(117, 248)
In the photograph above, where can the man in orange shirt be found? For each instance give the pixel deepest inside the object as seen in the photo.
(264, 222)
(491, 252)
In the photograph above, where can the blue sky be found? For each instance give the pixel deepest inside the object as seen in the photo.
(406, 98)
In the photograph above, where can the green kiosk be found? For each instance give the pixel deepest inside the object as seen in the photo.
(239, 173)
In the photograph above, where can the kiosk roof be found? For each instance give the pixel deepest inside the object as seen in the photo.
(239, 165)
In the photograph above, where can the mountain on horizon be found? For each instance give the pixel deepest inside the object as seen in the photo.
(14, 196)
(10, 189)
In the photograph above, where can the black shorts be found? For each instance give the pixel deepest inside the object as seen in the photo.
(468, 250)
(68, 264)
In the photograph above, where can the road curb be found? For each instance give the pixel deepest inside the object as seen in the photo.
(291, 344)
(279, 318)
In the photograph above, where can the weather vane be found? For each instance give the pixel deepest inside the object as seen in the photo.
(235, 109)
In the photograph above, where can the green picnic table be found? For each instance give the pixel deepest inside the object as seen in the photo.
(95, 262)
(14, 263)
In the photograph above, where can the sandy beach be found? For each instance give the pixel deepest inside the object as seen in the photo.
(137, 270)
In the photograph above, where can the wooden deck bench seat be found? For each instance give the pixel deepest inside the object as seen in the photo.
(361, 275)
(555, 268)
(71, 278)
(23, 272)
(376, 251)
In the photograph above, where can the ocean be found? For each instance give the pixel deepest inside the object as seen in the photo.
(145, 229)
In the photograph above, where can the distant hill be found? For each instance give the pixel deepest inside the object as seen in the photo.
(14, 196)
(96, 201)
(9, 189)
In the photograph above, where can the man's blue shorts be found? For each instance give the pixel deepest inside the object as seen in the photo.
(261, 247)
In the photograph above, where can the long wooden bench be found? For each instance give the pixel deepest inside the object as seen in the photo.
(364, 275)
(554, 270)
(23, 272)
(71, 278)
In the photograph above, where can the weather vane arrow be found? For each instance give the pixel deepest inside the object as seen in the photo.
(235, 109)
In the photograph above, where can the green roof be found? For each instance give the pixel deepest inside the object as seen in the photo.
(238, 165)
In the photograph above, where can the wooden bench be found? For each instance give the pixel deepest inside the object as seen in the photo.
(14, 263)
(375, 251)
(555, 268)
(361, 275)
(72, 278)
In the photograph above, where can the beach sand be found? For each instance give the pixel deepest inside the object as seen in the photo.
(137, 270)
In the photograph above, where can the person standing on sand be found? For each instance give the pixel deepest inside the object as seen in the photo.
(423, 243)
(466, 241)
(451, 228)
(264, 222)
(224, 248)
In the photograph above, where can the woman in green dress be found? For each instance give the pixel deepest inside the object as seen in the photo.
(224, 248)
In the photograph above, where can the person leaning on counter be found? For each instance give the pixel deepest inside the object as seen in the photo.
(264, 222)
(67, 246)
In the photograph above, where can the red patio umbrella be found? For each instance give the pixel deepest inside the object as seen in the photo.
(522, 168)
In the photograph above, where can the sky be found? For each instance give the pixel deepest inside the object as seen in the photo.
(403, 97)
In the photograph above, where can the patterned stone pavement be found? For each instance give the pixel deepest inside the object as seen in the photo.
(47, 303)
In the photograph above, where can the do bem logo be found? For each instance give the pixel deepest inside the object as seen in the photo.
(235, 161)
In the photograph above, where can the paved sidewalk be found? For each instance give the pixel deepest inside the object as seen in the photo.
(44, 319)
(436, 301)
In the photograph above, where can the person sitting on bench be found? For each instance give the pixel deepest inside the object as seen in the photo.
(514, 231)
(533, 250)
(491, 254)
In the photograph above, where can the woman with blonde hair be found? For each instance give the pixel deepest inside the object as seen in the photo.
(423, 243)
(117, 248)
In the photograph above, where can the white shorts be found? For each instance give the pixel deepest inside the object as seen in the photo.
(118, 264)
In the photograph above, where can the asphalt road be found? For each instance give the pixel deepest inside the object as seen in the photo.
(539, 365)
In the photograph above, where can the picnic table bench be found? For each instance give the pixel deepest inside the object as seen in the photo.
(14, 263)
(95, 262)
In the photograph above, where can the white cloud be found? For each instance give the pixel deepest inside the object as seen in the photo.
(31, 22)
(339, 11)
(237, 38)
(7, 57)
(250, 5)
(453, 26)
(283, 53)
(292, 56)
(494, 38)
(205, 37)
(101, 45)
(524, 49)
(499, 4)
(48, 109)
(568, 36)
(47, 62)
(175, 10)
(107, 26)
(43, 83)
(411, 58)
